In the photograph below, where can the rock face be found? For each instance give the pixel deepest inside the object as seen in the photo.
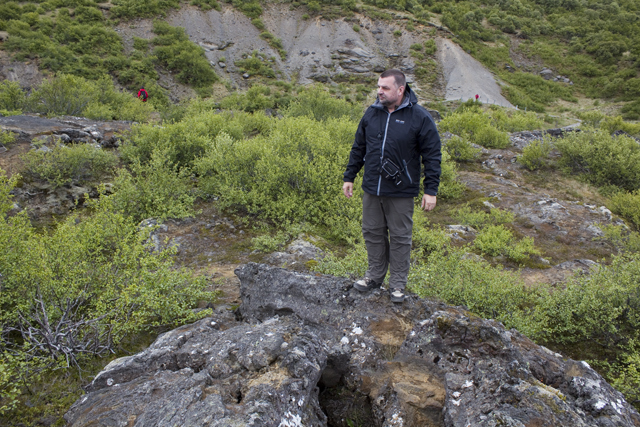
(312, 351)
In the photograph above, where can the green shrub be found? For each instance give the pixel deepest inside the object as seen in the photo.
(487, 291)
(157, 189)
(612, 124)
(591, 118)
(315, 102)
(257, 64)
(257, 98)
(480, 219)
(189, 139)
(535, 154)
(496, 240)
(251, 9)
(622, 238)
(475, 127)
(143, 8)
(62, 165)
(291, 175)
(12, 97)
(601, 159)
(179, 54)
(461, 150)
(206, 4)
(627, 205)
(509, 120)
(93, 279)
(7, 137)
(430, 47)
(64, 94)
(450, 186)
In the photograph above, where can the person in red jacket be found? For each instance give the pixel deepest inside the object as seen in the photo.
(142, 94)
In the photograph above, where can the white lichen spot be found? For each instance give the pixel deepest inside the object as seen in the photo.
(456, 394)
(357, 330)
(363, 345)
(269, 334)
(301, 402)
(110, 382)
(84, 400)
(599, 405)
(298, 352)
(467, 384)
(344, 341)
(585, 364)
(284, 345)
(413, 333)
(213, 323)
(424, 322)
(396, 420)
(456, 402)
(291, 420)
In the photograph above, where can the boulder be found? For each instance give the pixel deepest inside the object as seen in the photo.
(312, 351)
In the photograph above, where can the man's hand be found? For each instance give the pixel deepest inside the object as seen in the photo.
(347, 189)
(428, 202)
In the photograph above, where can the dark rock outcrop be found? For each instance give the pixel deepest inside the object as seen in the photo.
(311, 351)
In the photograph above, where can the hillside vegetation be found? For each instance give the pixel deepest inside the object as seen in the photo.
(94, 285)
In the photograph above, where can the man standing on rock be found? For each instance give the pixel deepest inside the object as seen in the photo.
(394, 135)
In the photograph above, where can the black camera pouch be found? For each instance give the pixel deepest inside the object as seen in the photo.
(389, 170)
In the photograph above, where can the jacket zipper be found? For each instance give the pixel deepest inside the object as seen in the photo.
(406, 169)
(384, 140)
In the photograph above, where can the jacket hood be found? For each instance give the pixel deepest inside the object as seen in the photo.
(409, 98)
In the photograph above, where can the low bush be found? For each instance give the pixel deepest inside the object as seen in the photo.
(476, 128)
(496, 240)
(480, 219)
(601, 159)
(94, 280)
(184, 141)
(62, 165)
(75, 96)
(627, 205)
(450, 186)
(461, 150)
(12, 97)
(157, 189)
(612, 124)
(257, 64)
(535, 154)
(206, 4)
(179, 54)
(318, 104)
(144, 8)
(291, 175)
(509, 120)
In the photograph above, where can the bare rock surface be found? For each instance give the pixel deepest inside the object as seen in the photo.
(465, 77)
(312, 351)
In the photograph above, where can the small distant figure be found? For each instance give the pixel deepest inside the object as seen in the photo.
(477, 96)
(142, 94)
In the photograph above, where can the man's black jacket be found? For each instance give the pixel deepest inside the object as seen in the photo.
(404, 136)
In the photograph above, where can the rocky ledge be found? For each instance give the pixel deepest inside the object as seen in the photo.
(307, 350)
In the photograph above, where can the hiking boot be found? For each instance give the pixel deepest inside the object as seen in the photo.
(366, 284)
(396, 294)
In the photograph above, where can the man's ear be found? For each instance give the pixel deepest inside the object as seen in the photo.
(401, 89)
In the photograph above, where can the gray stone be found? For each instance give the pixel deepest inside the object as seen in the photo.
(420, 363)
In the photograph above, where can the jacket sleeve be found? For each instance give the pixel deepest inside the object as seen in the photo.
(431, 155)
(358, 151)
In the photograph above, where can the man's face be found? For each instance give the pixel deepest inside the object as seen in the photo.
(388, 92)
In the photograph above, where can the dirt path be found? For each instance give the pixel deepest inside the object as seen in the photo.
(466, 77)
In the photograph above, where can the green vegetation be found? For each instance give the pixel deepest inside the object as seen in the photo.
(535, 154)
(177, 53)
(601, 159)
(75, 96)
(95, 281)
(61, 165)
